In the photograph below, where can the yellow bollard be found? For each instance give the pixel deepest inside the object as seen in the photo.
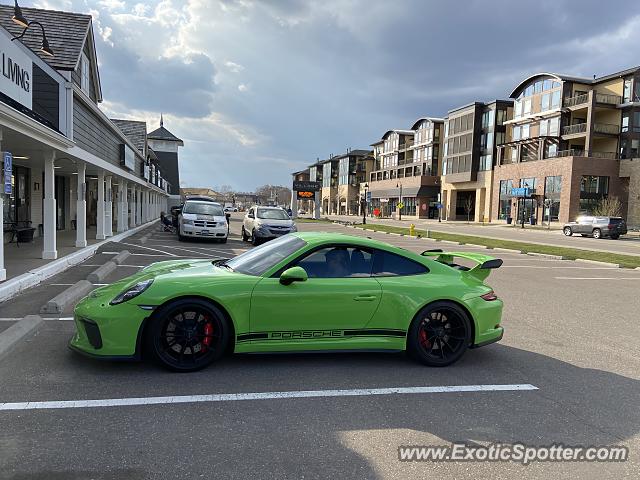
(412, 230)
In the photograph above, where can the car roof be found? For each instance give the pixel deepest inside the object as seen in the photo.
(318, 238)
(205, 202)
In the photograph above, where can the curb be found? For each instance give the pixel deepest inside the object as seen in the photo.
(508, 250)
(72, 294)
(12, 335)
(546, 255)
(121, 257)
(474, 245)
(33, 277)
(102, 271)
(451, 242)
(596, 262)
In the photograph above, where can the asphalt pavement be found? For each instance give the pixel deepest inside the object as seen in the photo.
(571, 332)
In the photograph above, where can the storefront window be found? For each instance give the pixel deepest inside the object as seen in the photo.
(505, 199)
(552, 191)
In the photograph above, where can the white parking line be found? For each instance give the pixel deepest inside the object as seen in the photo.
(561, 268)
(182, 249)
(233, 397)
(69, 284)
(597, 278)
(149, 248)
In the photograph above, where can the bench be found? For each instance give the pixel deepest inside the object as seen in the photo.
(21, 231)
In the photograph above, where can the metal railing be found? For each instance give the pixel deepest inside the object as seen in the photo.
(573, 129)
(611, 155)
(572, 152)
(607, 128)
(608, 98)
(407, 144)
(577, 100)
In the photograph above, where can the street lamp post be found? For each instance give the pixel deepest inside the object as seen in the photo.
(399, 201)
(364, 205)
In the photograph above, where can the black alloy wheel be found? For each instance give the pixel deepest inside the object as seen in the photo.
(439, 335)
(187, 335)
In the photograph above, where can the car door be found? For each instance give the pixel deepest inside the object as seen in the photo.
(340, 294)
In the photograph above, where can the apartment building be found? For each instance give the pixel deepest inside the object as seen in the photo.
(570, 142)
(407, 166)
(341, 177)
(472, 134)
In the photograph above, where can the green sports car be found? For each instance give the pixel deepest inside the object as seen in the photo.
(302, 292)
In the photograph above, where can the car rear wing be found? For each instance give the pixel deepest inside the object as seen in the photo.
(480, 271)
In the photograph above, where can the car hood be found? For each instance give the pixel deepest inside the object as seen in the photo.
(174, 269)
(198, 216)
(279, 223)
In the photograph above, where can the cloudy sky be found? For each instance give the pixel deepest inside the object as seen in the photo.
(258, 89)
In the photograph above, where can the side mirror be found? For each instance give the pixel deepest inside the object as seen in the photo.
(250, 215)
(293, 274)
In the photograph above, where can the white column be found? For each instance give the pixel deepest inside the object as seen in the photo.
(3, 271)
(132, 217)
(100, 211)
(81, 207)
(121, 206)
(125, 209)
(294, 204)
(140, 204)
(49, 251)
(108, 208)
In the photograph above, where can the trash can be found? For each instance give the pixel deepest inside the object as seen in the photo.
(25, 235)
(532, 220)
(509, 220)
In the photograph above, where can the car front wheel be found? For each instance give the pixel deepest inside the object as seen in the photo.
(245, 237)
(439, 334)
(567, 231)
(187, 335)
(254, 239)
(597, 233)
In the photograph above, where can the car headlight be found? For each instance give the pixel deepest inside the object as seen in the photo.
(187, 222)
(262, 228)
(131, 292)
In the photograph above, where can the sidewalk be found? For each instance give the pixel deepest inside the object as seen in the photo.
(626, 245)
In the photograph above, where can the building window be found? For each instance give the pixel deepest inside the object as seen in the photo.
(516, 133)
(555, 99)
(504, 209)
(486, 162)
(625, 123)
(552, 191)
(543, 127)
(501, 116)
(636, 121)
(84, 73)
(517, 109)
(545, 102)
(525, 131)
(527, 106)
(592, 190)
(499, 138)
(626, 96)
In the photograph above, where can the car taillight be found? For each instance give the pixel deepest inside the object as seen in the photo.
(489, 297)
(611, 226)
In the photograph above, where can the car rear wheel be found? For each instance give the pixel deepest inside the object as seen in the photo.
(223, 240)
(439, 334)
(597, 233)
(567, 231)
(187, 335)
(615, 236)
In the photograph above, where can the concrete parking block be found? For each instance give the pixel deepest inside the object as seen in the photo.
(71, 295)
(122, 256)
(102, 272)
(596, 262)
(451, 242)
(474, 245)
(12, 335)
(546, 255)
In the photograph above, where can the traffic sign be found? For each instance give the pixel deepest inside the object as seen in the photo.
(8, 171)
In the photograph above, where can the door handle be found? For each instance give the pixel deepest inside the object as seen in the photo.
(365, 298)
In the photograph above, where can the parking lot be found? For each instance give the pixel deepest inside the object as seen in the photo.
(571, 332)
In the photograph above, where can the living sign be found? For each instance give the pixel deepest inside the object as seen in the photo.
(17, 72)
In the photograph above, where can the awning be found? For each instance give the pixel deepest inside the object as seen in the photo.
(421, 191)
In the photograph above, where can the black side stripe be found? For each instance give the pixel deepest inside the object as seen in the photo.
(296, 334)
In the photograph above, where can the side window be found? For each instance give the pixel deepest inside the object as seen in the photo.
(337, 262)
(388, 264)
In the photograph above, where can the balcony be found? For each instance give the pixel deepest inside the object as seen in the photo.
(608, 99)
(606, 128)
(577, 100)
(574, 129)
(405, 146)
(581, 153)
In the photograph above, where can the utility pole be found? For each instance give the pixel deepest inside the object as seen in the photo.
(399, 202)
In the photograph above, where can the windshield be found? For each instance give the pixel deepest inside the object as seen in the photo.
(203, 209)
(260, 259)
(273, 214)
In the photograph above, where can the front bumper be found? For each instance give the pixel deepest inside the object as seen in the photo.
(108, 331)
(205, 232)
(272, 233)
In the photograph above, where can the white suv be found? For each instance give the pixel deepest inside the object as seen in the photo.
(200, 218)
(264, 223)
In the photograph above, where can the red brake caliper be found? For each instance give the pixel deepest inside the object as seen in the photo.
(206, 341)
(424, 341)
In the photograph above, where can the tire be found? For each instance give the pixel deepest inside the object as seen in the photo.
(597, 233)
(615, 236)
(173, 348)
(445, 341)
(254, 240)
(245, 237)
(567, 231)
(224, 240)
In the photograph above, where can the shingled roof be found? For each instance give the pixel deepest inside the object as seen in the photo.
(163, 134)
(134, 130)
(66, 33)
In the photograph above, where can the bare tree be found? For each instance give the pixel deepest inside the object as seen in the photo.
(469, 205)
(277, 193)
(608, 207)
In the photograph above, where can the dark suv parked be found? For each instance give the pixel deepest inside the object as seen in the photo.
(598, 227)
